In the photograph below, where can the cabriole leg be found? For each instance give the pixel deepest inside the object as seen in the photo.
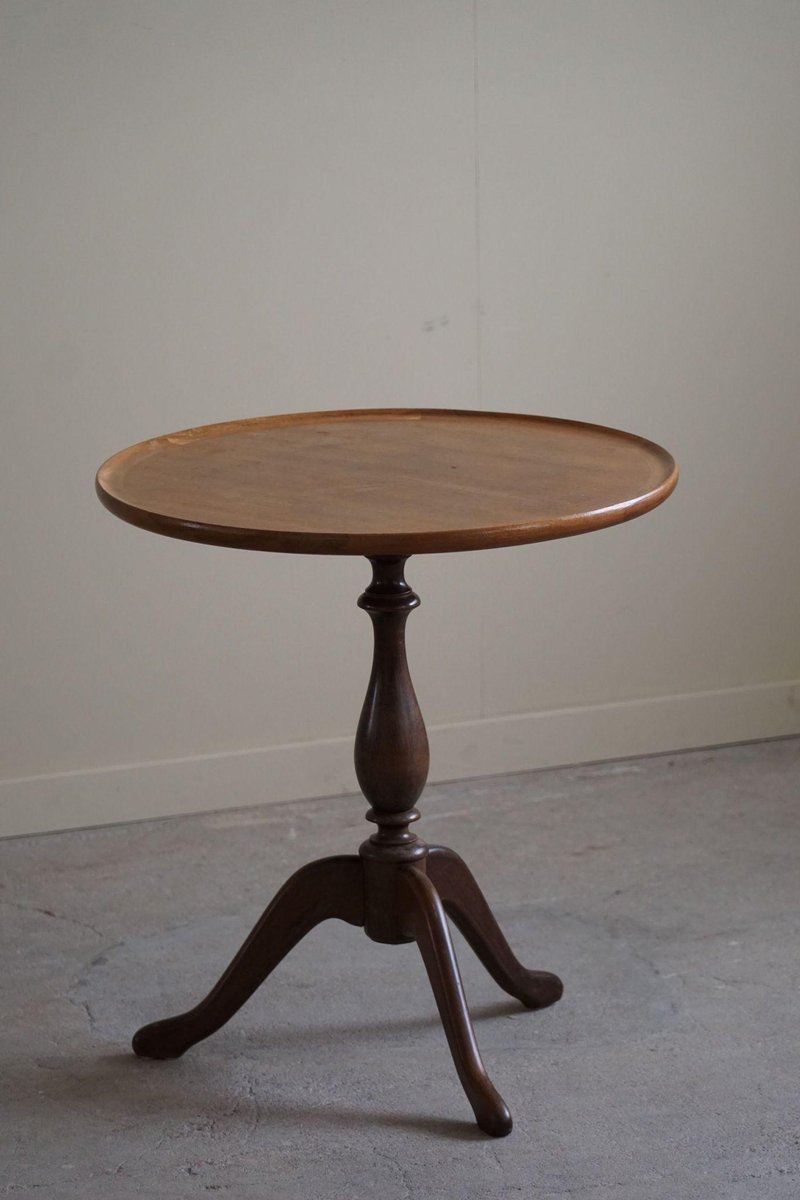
(466, 905)
(330, 887)
(436, 948)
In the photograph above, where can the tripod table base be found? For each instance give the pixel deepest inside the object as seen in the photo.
(436, 883)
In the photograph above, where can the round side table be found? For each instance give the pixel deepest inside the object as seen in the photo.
(384, 483)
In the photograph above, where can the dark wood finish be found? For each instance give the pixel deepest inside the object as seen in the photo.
(396, 887)
(386, 481)
(436, 948)
(391, 751)
(466, 906)
(330, 887)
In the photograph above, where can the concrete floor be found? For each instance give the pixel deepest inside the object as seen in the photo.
(665, 891)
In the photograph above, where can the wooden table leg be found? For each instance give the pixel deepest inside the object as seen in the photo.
(436, 948)
(466, 905)
(330, 887)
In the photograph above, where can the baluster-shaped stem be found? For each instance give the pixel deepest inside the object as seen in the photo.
(391, 751)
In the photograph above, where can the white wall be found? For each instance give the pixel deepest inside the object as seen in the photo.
(220, 209)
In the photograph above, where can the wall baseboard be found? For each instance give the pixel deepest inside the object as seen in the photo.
(489, 746)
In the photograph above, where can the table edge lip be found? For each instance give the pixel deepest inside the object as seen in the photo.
(371, 544)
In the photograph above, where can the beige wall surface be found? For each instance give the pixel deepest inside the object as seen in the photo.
(218, 210)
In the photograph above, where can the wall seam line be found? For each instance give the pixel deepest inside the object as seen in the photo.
(478, 324)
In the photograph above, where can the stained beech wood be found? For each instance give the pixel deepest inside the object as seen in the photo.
(436, 947)
(319, 891)
(386, 481)
(391, 750)
(396, 887)
(466, 906)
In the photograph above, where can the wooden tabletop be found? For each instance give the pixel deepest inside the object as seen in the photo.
(386, 481)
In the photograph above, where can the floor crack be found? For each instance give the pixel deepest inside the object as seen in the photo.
(48, 912)
(84, 1004)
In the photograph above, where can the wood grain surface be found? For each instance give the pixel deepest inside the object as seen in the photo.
(386, 481)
